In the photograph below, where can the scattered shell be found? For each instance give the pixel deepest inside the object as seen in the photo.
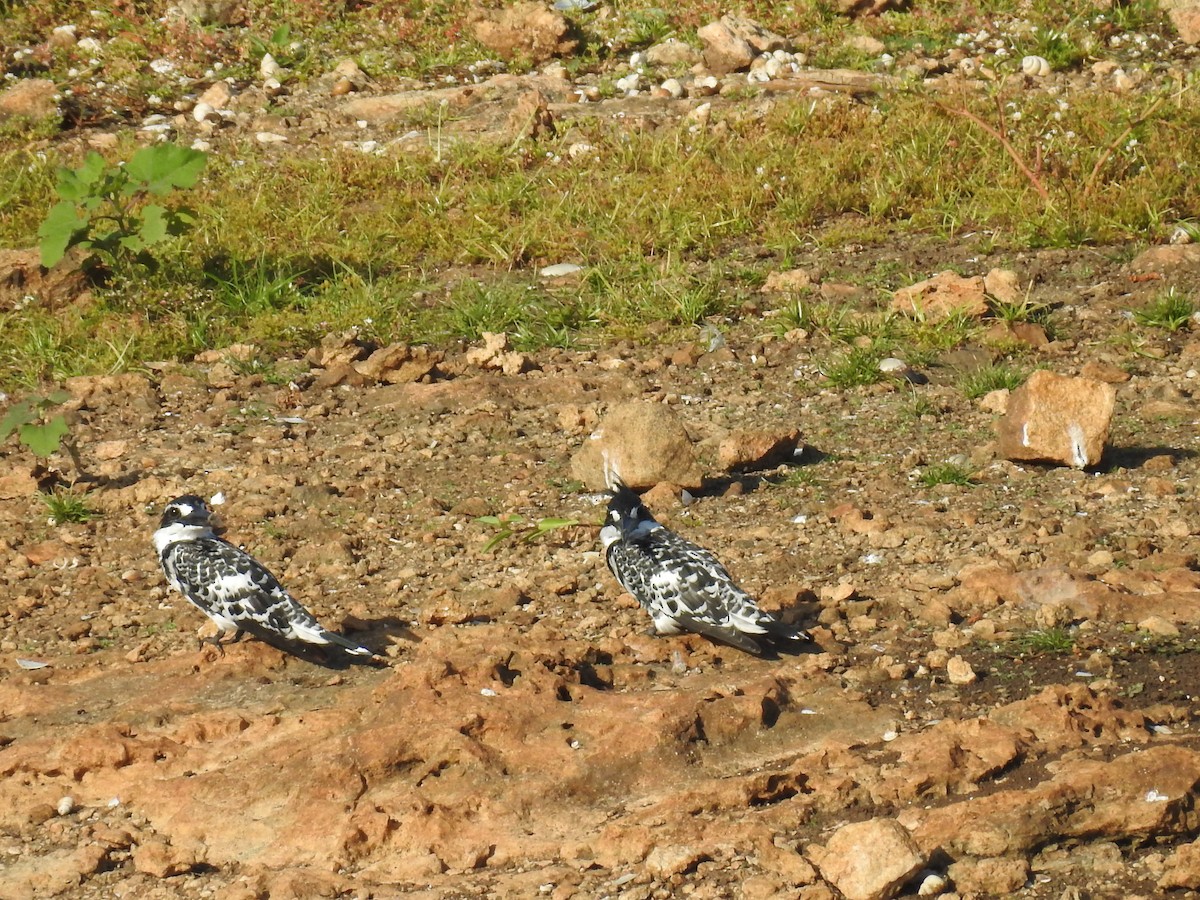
(269, 68)
(65, 805)
(31, 663)
(629, 84)
(931, 885)
(891, 364)
(558, 270)
(1035, 66)
(673, 87)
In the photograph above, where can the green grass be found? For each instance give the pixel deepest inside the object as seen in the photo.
(1044, 642)
(1169, 311)
(290, 247)
(66, 507)
(945, 473)
(990, 378)
(856, 367)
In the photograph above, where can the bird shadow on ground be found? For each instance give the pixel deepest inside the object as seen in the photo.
(750, 481)
(1135, 457)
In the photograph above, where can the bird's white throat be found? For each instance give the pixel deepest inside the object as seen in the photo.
(178, 531)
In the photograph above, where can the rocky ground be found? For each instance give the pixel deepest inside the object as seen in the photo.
(998, 698)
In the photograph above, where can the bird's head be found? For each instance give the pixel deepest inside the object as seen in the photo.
(627, 517)
(187, 510)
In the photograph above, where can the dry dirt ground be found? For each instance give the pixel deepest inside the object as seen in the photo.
(529, 738)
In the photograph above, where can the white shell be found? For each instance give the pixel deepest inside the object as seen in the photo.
(1035, 66)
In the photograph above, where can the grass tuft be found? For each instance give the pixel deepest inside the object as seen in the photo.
(990, 378)
(1170, 311)
(67, 508)
(945, 473)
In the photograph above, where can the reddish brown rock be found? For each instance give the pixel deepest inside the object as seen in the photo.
(860, 8)
(1166, 258)
(945, 294)
(1106, 372)
(400, 364)
(869, 860)
(790, 282)
(1182, 869)
(528, 30)
(159, 859)
(758, 449)
(1056, 418)
(22, 277)
(338, 350)
(32, 98)
(645, 442)
(995, 877)
(1140, 793)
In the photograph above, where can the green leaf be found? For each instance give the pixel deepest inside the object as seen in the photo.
(59, 230)
(44, 439)
(489, 520)
(154, 224)
(545, 526)
(551, 522)
(17, 415)
(497, 538)
(74, 184)
(165, 166)
(131, 242)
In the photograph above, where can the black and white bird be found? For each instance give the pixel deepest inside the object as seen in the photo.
(233, 588)
(681, 585)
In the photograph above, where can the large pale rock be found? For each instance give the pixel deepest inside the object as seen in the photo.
(869, 860)
(529, 30)
(724, 51)
(1057, 418)
(646, 443)
(945, 294)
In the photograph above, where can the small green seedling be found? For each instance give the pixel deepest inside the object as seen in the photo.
(510, 524)
(102, 207)
(39, 427)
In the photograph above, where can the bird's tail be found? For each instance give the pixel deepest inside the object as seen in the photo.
(346, 645)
